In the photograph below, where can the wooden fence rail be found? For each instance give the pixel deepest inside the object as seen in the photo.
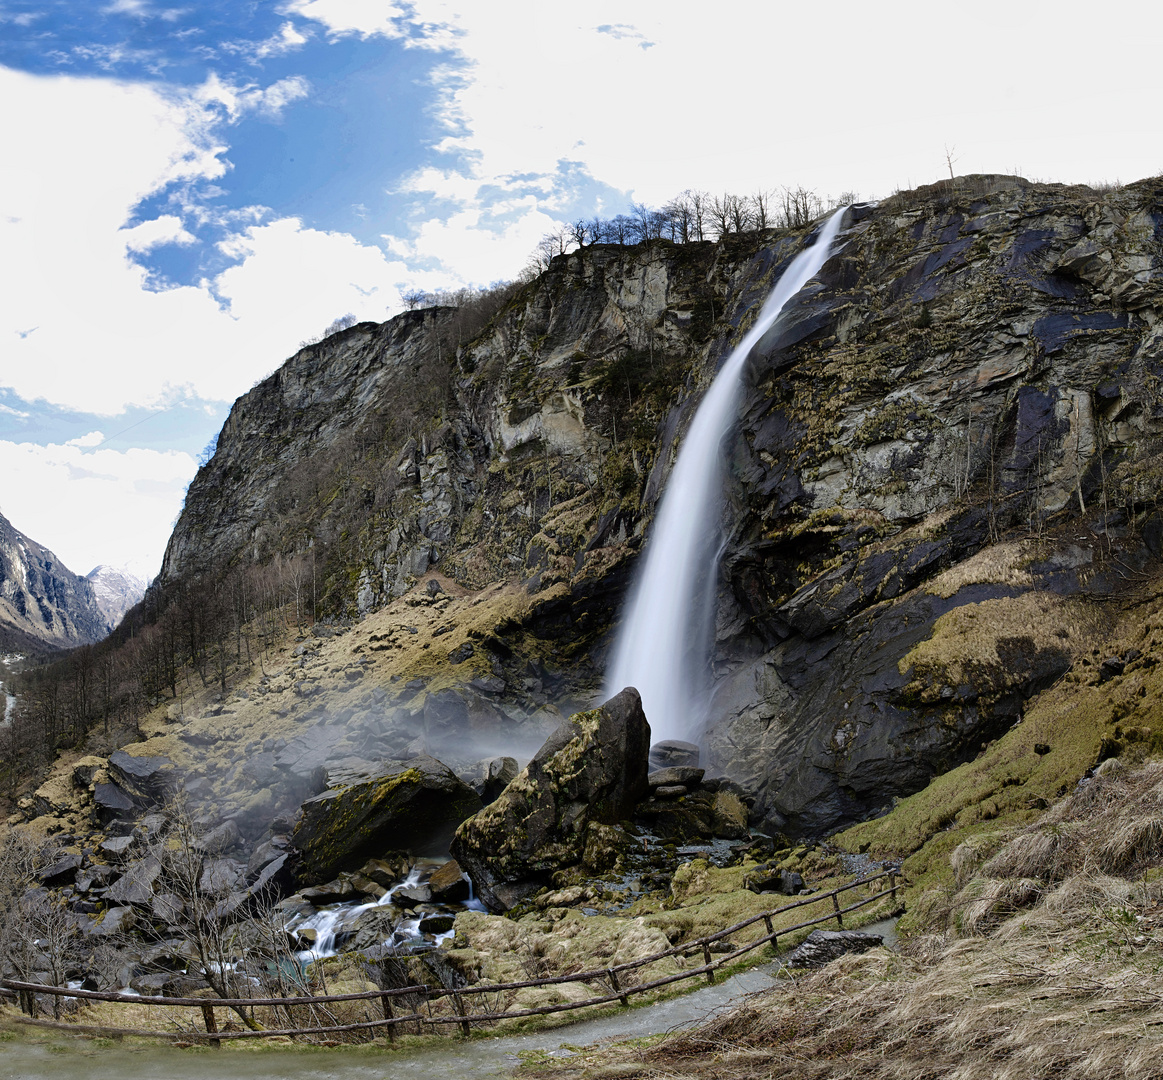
(25, 992)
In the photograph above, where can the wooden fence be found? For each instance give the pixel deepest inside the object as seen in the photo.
(460, 997)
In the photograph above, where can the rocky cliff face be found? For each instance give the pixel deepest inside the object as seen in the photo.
(43, 605)
(949, 447)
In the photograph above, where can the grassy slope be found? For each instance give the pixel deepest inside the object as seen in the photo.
(1081, 719)
(1044, 962)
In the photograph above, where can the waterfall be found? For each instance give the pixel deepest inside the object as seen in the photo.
(663, 646)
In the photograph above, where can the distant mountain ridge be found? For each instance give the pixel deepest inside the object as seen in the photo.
(116, 591)
(43, 604)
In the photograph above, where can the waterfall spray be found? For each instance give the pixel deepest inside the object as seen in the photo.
(663, 646)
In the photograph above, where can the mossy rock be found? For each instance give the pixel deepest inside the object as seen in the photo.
(591, 771)
(413, 806)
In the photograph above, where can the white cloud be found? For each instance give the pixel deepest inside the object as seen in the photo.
(478, 250)
(94, 438)
(103, 339)
(305, 278)
(236, 100)
(625, 32)
(367, 18)
(287, 39)
(8, 410)
(166, 229)
(126, 7)
(106, 506)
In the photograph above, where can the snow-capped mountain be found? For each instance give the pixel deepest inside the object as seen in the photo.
(116, 590)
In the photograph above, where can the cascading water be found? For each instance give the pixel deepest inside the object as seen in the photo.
(333, 923)
(663, 647)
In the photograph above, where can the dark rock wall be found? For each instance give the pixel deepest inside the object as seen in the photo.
(976, 371)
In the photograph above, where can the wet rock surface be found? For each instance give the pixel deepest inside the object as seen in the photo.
(821, 947)
(414, 806)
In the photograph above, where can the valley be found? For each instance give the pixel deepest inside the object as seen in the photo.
(384, 626)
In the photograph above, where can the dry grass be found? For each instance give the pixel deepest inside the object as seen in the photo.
(1000, 564)
(1047, 966)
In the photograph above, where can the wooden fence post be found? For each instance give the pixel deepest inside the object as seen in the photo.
(386, 1002)
(892, 883)
(211, 1025)
(707, 959)
(458, 1005)
(839, 917)
(613, 976)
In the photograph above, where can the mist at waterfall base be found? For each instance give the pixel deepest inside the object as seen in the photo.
(663, 647)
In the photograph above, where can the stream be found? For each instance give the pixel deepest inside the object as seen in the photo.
(479, 1057)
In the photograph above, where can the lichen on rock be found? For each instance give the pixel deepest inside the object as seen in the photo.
(590, 773)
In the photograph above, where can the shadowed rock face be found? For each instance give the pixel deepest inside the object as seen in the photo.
(590, 772)
(43, 604)
(922, 494)
(412, 806)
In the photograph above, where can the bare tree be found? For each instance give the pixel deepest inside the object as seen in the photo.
(680, 217)
(621, 229)
(719, 212)
(342, 323)
(800, 207)
(950, 159)
(761, 208)
(740, 213)
(699, 201)
(39, 936)
(201, 896)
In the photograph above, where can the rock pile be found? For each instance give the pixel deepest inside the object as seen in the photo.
(589, 775)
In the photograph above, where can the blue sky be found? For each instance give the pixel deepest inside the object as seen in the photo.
(188, 190)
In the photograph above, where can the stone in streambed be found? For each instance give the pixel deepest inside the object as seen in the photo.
(448, 883)
(437, 924)
(678, 820)
(772, 879)
(388, 871)
(686, 775)
(672, 753)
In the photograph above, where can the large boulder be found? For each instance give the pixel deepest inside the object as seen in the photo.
(591, 771)
(146, 780)
(412, 805)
